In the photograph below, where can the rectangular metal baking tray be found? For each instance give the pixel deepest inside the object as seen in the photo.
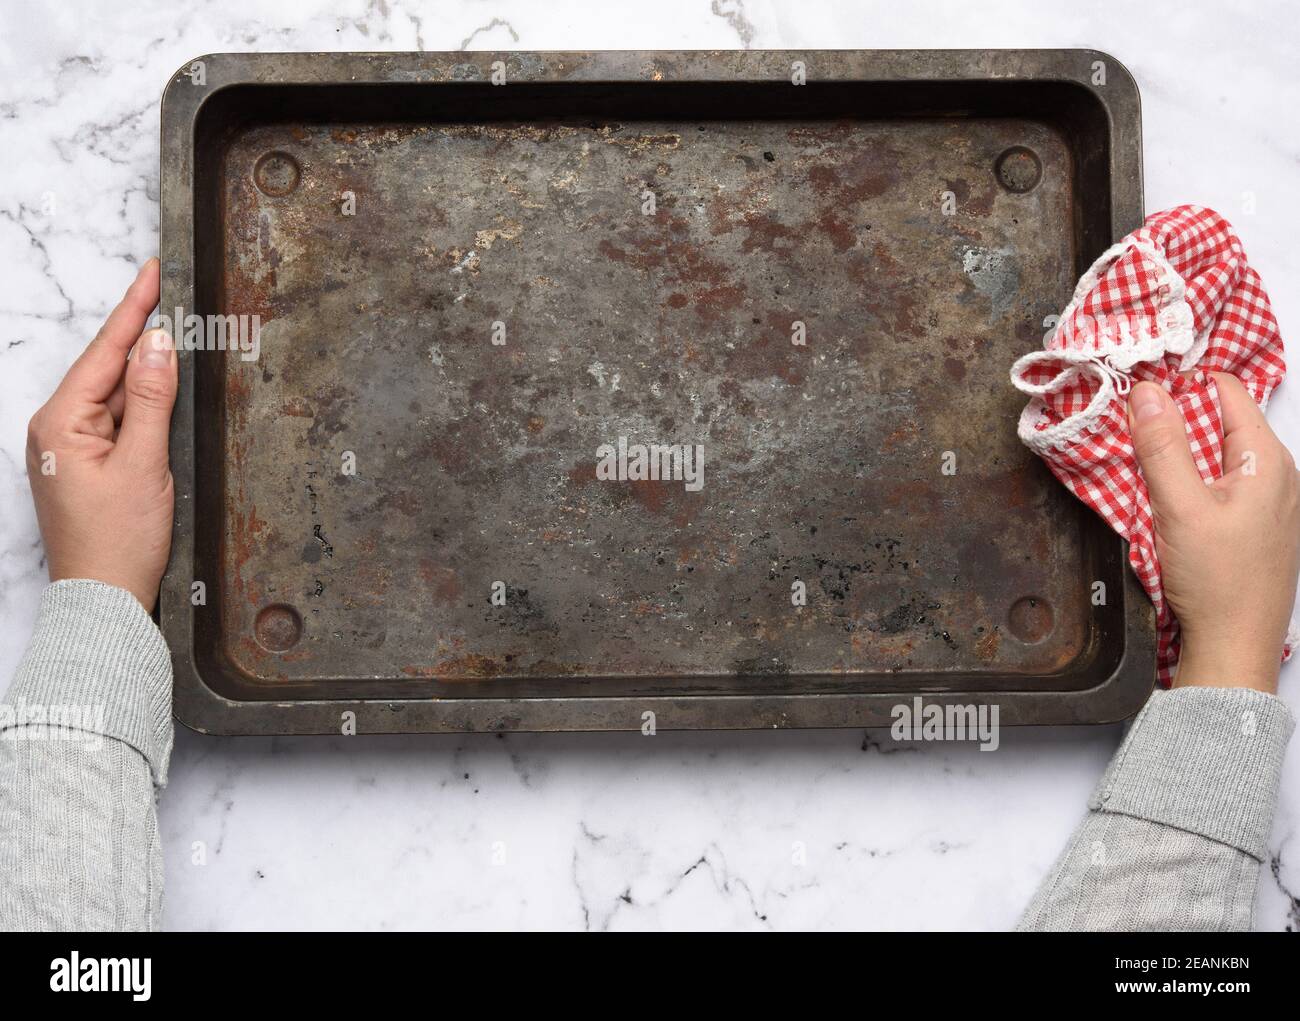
(469, 287)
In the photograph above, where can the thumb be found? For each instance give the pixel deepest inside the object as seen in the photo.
(150, 393)
(1163, 452)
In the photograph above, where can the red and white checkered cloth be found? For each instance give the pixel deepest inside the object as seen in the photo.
(1172, 302)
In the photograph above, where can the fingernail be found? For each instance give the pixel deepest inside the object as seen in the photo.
(157, 348)
(1147, 401)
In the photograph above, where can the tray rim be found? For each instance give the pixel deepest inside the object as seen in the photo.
(202, 709)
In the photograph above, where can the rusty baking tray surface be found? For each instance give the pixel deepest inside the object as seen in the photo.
(466, 289)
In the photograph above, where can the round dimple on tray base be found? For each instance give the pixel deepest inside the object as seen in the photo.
(277, 174)
(1018, 169)
(1030, 620)
(278, 627)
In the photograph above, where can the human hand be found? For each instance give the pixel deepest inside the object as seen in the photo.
(97, 454)
(1229, 552)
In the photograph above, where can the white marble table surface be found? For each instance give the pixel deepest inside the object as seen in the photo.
(599, 831)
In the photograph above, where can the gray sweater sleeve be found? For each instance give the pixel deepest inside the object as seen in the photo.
(1178, 827)
(85, 736)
